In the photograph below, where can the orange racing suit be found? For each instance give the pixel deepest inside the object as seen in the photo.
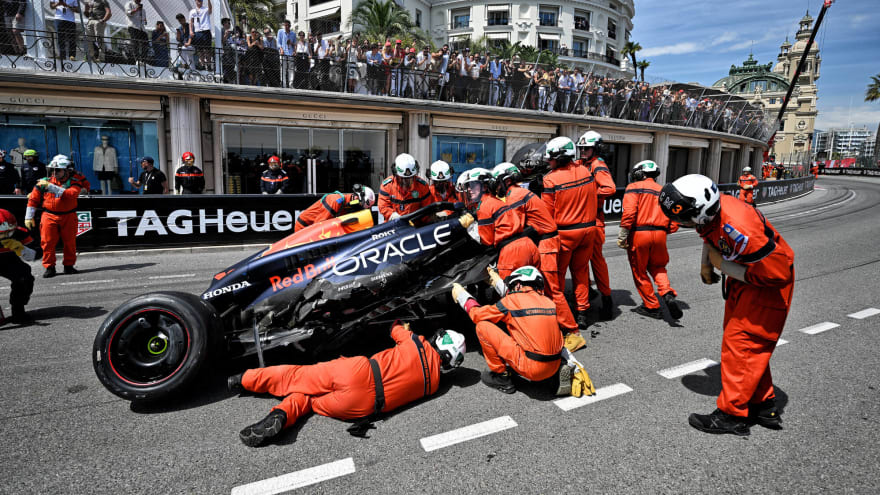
(648, 227)
(532, 349)
(597, 261)
(747, 195)
(755, 309)
(395, 199)
(505, 228)
(58, 221)
(330, 206)
(345, 388)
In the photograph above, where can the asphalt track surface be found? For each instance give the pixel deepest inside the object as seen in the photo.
(62, 432)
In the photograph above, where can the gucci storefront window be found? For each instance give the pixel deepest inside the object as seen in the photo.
(316, 160)
(104, 151)
(466, 152)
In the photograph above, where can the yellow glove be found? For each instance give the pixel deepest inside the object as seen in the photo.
(42, 184)
(30, 224)
(13, 245)
(496, 282)
(460, 294)
(715, 257)
(707, 273)
(581, 383)
(622, 237)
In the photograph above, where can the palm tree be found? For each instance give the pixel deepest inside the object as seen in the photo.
(873, 91)
(480, 45)
(642, 65)
(507, 50)
(630, 48)
(256, 13)
(378, 20)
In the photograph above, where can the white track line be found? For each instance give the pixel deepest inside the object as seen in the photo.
(865, 313)
(818, 328)
(84, 282)
(298, 479)
(569, 403)
(686, 368)
(851, 197)
(781, 342)
(162, 277)
(467, 433)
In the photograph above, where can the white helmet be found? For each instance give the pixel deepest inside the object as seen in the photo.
(645, 168)
(692, 199)
(59, 161)
(590, 139)
(365, 195)
(440, 171)
(559, 147)
(450, 345)
(473, 175)
(405, 166)
(501, 173)
(747, 170)
(526, 275)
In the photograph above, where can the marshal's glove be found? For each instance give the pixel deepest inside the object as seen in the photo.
(30, 224)
(622, 237)
(43, 184)
(496, 282)
(13, 245)
(394, 216)
(581, 383)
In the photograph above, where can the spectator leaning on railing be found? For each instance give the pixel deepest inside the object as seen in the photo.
(98, 12)
(159, 42)
(65, 27)
(137, 22)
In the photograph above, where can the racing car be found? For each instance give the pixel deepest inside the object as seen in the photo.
(313, 290)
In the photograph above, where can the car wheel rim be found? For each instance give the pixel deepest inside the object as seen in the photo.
(148, 347)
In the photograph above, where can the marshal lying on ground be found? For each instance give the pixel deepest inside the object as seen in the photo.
(315, 289)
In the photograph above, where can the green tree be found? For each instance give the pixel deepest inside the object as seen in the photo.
(873, 91)
(480, 45)
(378, 20)
(507, 50)
(256, 13)
(630, 49)
(642, 65)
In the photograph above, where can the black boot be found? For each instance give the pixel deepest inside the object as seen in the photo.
(20, 316)
(50, 272)
(592, 294)
(672, 304)
(607, 308)
(766, 415)
(650, 313)
(719, 422)
(265, 429)
(70, 270)
(233, 384)
(583, 320)
(500, 381)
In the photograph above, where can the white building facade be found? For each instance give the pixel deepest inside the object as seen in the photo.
(847, 142)
(587, 34)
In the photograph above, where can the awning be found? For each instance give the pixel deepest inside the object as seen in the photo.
(548, 36)
(688, 142)
(276, 114)
(498, 36)
(499, 8)
(615, 136)
(323, 12)
(499, 128)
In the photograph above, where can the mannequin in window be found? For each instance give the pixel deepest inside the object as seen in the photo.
(16, 155)
(104, 164)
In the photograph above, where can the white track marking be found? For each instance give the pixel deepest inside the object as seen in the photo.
(865, 313)
(467, 433)
(84, 282)
(686, 368)
(298, 479)
(818, 328)
(569, 403)
(162, 277)
(849, 198)
(781, 342)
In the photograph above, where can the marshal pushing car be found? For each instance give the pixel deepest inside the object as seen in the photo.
(313, 290)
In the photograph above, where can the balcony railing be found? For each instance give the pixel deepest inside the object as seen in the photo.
(598, 96)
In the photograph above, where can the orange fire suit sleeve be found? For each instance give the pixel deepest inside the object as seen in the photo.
(530, 318)
(324, 209)
(48, 201)
(485, 219)
(386, 208)
(630, 207)
(641, 210)
(604, 181)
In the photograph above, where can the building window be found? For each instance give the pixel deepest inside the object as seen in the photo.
(612, 29)
(580, 47)
(610, 56)
(498, 15)
(325, 25)
(628, 35)
(457, 44)
(547, 15)
(772, 101)
(461, 18)
(781, 125)
(612, 6)
(582, 20)
(418, 18)
(547, 44)
(466, 152)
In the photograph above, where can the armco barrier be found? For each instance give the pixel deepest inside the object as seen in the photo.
(849, 171)
(144, 222)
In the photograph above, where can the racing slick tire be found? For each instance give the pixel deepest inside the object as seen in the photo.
(153, 345)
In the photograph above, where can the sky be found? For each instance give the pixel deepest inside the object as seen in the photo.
(698, 41)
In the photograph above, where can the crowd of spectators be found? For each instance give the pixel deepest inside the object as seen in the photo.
(261, 57)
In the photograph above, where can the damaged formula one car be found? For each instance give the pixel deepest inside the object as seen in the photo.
(314, 290)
